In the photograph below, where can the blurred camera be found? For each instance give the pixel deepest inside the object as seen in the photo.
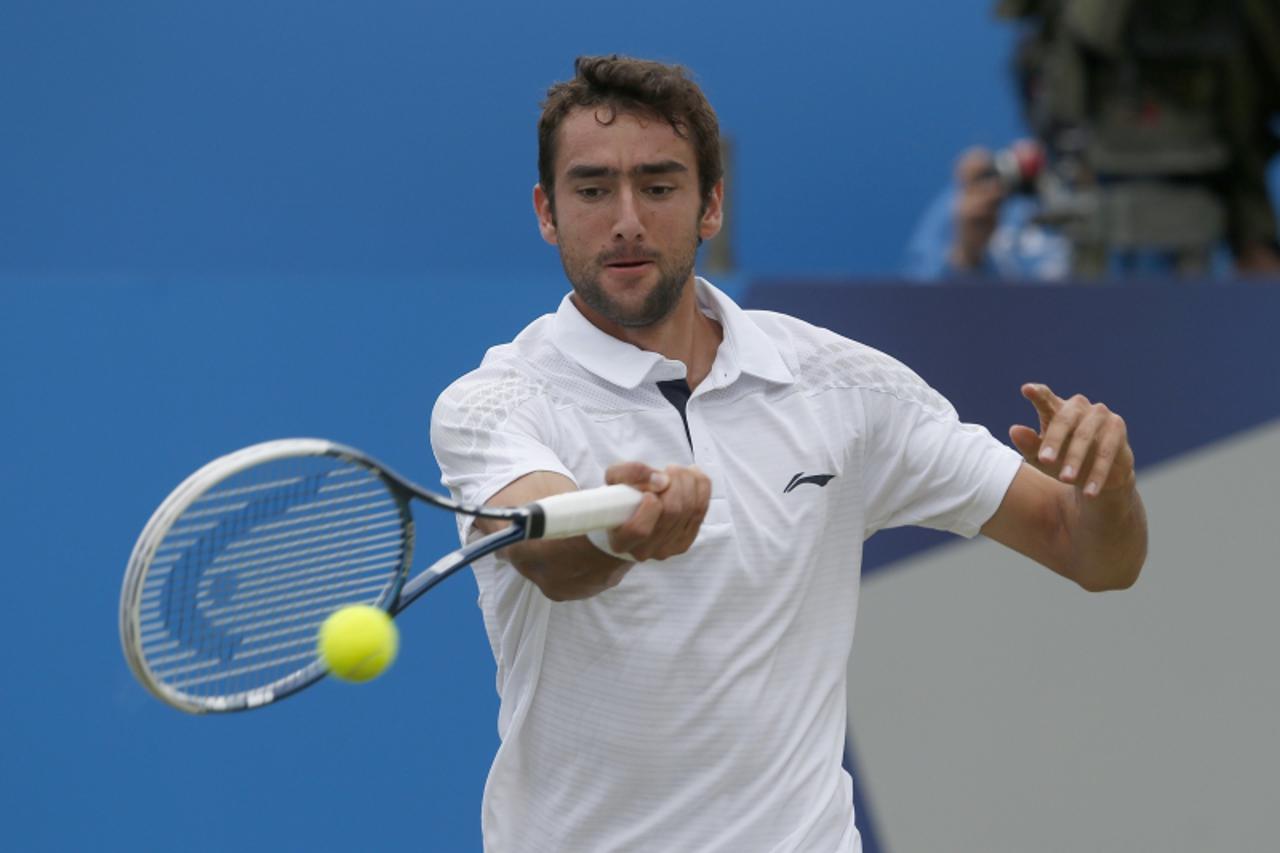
(1019, 166)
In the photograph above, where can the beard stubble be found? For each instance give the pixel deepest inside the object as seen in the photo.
(673, 273)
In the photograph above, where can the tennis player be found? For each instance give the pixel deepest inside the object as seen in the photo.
(678, 684)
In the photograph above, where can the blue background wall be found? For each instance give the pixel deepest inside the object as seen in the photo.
(314, 136)
(221, 223)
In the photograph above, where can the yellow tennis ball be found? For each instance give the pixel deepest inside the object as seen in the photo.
(358, 642)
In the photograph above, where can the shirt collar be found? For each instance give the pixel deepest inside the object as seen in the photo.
(745, 348)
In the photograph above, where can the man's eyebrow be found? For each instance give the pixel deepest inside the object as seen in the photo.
(661, 167)
(586, 171)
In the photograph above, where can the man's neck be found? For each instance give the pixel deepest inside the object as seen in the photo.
(685, 335)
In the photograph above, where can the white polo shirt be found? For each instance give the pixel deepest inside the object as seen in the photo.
(700, 704)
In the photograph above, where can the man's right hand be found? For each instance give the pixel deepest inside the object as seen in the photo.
(670, 515)
(665, 524)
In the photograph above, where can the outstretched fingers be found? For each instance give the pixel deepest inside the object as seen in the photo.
(1081, 443)
(1113, 459)
(1046, 402)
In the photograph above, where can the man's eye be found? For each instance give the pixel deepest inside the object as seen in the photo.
(590, 192)
(660, 190)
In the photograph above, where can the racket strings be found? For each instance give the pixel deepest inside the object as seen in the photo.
(239, 585)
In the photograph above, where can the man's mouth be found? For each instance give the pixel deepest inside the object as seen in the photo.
(628, 263)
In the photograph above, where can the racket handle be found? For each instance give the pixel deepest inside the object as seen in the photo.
(576, 513)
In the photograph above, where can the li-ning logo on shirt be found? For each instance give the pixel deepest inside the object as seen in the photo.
(816, 479)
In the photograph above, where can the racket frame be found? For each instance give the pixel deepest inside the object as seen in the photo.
(526, 522)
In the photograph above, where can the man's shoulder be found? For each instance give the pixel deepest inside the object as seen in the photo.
(814, 351)
(824, 360)
(531, 367)
(507, 376)
(787, 329)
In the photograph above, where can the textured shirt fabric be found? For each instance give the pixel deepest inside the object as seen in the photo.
(700, 704)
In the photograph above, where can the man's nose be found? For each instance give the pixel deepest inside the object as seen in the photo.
(627, 225)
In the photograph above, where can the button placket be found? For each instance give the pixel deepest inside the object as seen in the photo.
(707, 457)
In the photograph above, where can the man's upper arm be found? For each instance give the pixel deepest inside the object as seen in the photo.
(489, 431)
(1031, 520)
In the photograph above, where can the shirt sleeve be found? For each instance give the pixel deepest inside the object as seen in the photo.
(489, 429)
(923, 467)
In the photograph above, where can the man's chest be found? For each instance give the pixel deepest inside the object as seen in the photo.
(781, 467)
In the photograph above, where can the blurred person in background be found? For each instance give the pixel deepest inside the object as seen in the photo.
(1154, 127)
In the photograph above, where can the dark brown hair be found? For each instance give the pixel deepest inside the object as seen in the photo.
(625, 85)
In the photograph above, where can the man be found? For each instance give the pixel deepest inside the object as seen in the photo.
(679, 683)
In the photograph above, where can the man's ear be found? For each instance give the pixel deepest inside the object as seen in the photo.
(712, 218)
(544, 207)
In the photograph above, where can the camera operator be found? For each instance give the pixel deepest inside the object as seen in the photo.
(1153, 116)
(988, 224)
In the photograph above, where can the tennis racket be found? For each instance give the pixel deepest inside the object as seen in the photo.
(231, 578)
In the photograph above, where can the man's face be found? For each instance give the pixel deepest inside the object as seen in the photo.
(628, 214)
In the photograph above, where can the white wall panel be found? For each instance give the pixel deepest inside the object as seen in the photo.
(997, 707)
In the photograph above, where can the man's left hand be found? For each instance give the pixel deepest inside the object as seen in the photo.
(1081, 443)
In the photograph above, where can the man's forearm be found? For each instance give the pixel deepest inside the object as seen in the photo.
(567, 569)
(664, 524)
(564, 569)
(1108, 536)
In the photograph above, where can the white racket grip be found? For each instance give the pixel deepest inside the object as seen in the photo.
(576, 513)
